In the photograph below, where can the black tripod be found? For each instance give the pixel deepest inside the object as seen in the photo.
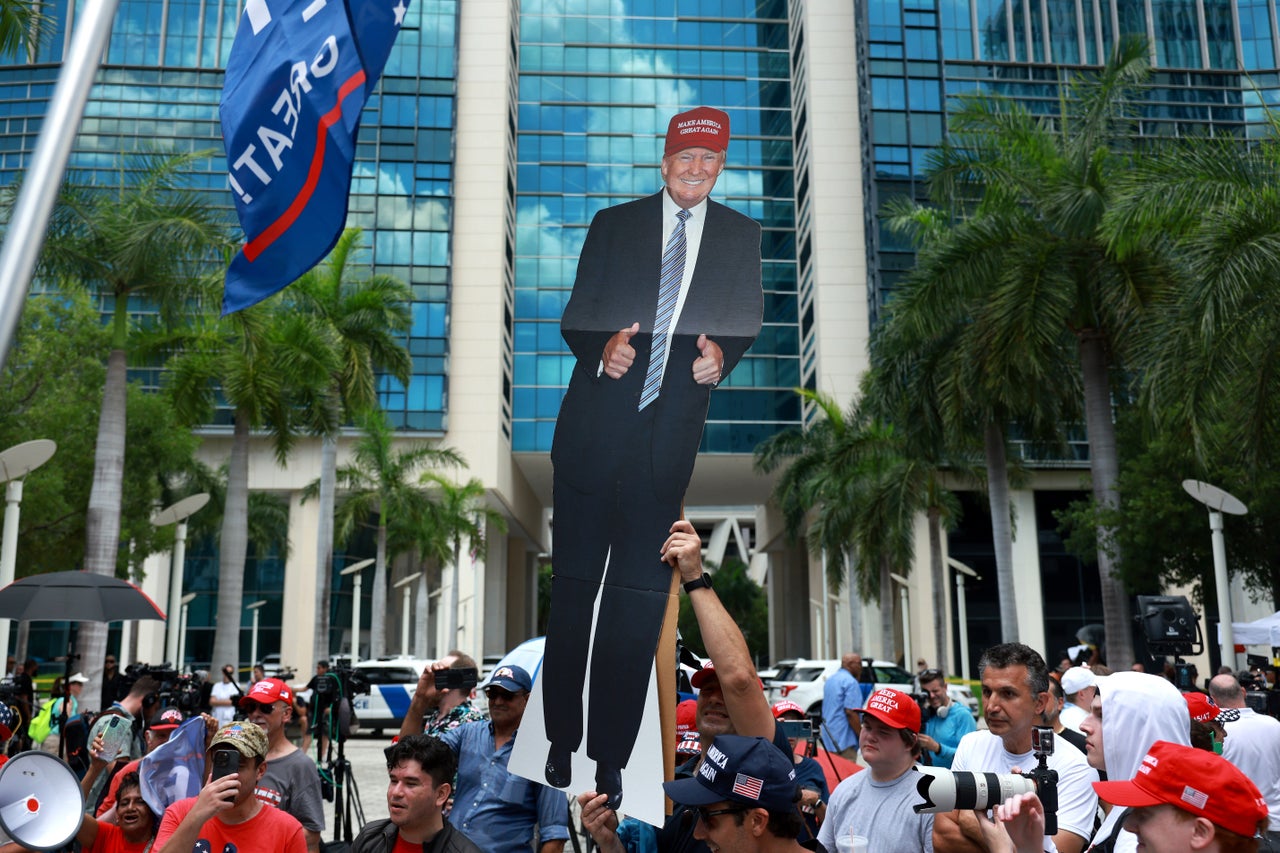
(348, 813)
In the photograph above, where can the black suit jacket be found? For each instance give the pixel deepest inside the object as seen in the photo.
(617, 285)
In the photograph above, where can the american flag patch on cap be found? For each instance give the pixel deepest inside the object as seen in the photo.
(1194, 797)
(747, 786)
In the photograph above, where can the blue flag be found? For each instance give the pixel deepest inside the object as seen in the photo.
(174, 770)
(297, 79)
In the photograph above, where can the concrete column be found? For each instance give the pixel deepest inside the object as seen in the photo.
(1026, 569)
(298, 624)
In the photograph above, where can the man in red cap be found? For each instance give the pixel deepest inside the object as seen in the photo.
(1181, 800)
(666, 301)
(291, 781)
(878, 805)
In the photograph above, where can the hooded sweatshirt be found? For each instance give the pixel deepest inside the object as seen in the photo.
(1138, 709)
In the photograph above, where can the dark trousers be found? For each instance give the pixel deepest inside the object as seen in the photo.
(624, 524)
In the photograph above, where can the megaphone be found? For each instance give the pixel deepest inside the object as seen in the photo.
(41, 805)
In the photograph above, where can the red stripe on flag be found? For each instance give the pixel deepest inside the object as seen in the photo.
(263, 241)
(747, 786)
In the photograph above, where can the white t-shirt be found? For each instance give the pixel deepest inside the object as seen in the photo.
(225, 690)
(881, 811)
(1072, 716)
(1077, 803)
(1253, 746)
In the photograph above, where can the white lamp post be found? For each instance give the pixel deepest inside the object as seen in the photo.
(404, 585)
(903, 584)
(15, 464)
(178, 514)
(355, 569)
(253, 642)
(182, 629)
(1218, 502)
(961, 571)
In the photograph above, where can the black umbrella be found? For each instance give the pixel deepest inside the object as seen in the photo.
(75, 597)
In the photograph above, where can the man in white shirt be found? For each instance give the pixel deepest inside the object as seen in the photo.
(224, 695)
(1080, 686)
(1015, 691)
(1252, 744)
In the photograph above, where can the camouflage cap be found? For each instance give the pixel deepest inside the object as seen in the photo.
(246, 737)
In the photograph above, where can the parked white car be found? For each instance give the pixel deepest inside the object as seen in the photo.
(391, 685)
(802, 681)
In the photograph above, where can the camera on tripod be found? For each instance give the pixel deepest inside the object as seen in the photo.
(339, 683)
(947, 790)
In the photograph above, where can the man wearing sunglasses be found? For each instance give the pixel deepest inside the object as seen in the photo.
(291, 781)
(744, 795)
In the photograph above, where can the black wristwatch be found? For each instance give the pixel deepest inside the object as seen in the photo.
(698, 583)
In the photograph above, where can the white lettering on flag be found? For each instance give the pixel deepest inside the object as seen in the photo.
(310, 12)
(259, 14)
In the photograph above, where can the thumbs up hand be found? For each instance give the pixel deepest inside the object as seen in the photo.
(618, 352)
(708, 366)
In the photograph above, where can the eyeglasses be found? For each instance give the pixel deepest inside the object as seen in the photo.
(705, 814)
(266, 707)
(930, 675)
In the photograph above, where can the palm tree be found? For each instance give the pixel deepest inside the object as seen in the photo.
(908, 404)
(272, 368)
(365, 317)
(1209, 362)
(1035, 191)
(378, 484)
(458, 513)
(150, 237)
(23, 27)
(863, 494)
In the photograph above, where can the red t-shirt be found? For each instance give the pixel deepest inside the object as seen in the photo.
(110, 839)
(403, 846)
(269, 831)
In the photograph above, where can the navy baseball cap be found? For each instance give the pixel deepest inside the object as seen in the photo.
(513, 679)
(747, 770)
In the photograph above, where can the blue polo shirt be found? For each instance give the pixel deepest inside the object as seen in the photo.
(494, 808)
(841, 691)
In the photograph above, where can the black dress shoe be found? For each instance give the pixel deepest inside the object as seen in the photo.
(559, 769)
(609, 782)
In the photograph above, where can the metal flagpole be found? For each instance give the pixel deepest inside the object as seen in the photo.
(30, 215)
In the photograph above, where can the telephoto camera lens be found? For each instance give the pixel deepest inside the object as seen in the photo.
(945, 790)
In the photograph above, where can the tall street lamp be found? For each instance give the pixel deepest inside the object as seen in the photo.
(178, 514)
(253, 642)
(355, 569)
(1218, 502)
(15, 464)
(404, 584)
(903, 583)
(961, 570)
(182, 629)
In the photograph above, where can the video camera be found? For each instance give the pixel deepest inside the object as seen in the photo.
(175, 689)
(927, 711)
(947, 790)
(339, 683)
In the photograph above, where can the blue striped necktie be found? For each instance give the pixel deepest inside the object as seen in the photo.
(668, 293)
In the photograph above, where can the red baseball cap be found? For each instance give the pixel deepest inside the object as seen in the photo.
(709, 671)
(1194, 780)
(894, 708)
(686, 716)
(786, 706)
(701, 127)
(266, 691)
(1200, 707)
